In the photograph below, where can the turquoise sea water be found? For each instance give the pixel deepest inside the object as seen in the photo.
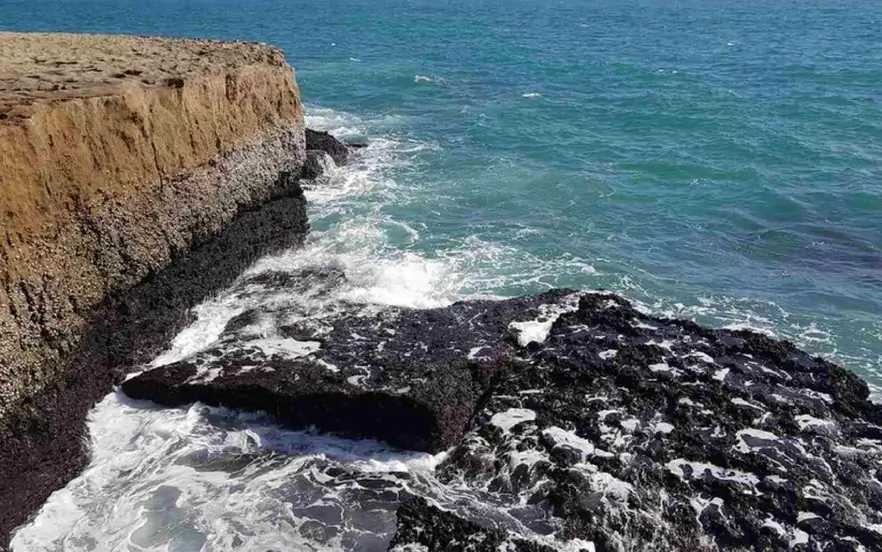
(719, 160)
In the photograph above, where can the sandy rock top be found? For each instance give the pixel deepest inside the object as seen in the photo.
(52, 66)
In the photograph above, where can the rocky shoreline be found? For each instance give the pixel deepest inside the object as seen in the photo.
(45, 446)
(585, 423)
(140, 175)
(120, 155)
(589, 424)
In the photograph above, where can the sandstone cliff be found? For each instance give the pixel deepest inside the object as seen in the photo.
(119, 153)
(135, 179)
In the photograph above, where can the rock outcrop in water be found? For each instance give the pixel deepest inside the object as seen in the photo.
(410, 377)
(585, 423)
(132, 173)
(571, 421)
(317, 140)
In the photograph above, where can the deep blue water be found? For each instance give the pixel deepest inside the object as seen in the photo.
(716, 159)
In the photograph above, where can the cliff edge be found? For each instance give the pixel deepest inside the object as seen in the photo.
(120, 157)
(119, 153)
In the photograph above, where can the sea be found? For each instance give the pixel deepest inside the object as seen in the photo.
(716, 160)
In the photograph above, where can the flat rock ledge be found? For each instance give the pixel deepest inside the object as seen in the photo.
(588, 424)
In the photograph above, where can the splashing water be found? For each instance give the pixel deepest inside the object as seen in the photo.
(206, 478)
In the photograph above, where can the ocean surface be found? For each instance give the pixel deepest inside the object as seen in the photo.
(718, 160)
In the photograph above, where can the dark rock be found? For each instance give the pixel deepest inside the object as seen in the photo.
(172, 82)
(421, 524)
(409, 377)
(577, 418)
(319, 140)
(662, 434)
(318, 164)
(47, 445)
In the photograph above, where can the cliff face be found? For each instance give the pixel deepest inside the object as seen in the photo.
(119, 154)
(135, 179)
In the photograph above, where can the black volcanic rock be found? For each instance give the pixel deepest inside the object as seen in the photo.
(422, 525)
(579, 419)
(639, 433)
(319, 140)
(409, 377)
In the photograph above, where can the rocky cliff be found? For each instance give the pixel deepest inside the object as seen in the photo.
(120, 153)
(124, 162)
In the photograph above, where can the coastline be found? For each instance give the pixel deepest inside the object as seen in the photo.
(608, 418)
(140, 176)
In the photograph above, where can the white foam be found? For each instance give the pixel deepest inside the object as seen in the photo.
(611, 486)
(512, 417)
(677, 467)
(630, 425)
(537, 330)
(738, 401)
(799, 537)
(571, 440)
(774, 525)
(531, 95)
(776, 479)
(141, 453)
(212, 317)
(766, 439)
(666, 344)
(704, 357)
(285, 347)
(662, 427)
(663, 367)
(805, 421)
(803, 516)
(338, 123)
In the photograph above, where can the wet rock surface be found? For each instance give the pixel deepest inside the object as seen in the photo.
(48, 445)
(409, 377)
(421, 524)
(317, 164)
(575, 421)
(643, 433)
(323, 141)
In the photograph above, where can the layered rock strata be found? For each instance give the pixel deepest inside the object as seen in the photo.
(119, 154)
(122, 157)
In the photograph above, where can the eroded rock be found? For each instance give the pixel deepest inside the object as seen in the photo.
(576, 422)
(639, 433)
(409, 377)
(424, 526)
(320, 140)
